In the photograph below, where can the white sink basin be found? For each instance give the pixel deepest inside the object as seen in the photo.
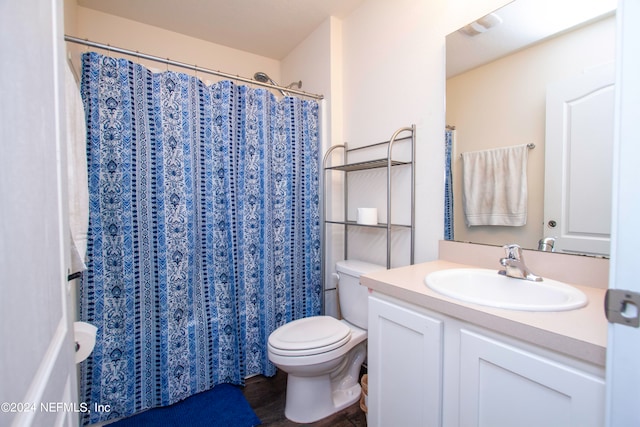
(487, 287)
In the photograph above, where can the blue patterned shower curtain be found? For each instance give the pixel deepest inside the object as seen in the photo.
(448, 185)
(204, 231)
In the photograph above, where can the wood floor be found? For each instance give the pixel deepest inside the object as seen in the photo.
(267, 397)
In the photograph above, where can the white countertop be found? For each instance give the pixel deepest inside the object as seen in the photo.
(580, 333)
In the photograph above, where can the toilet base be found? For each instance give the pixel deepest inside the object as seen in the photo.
(304, 407)
(310, 399)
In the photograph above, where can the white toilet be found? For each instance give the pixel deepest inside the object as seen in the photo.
(322, 355)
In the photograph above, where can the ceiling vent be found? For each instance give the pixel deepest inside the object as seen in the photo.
(481, 25)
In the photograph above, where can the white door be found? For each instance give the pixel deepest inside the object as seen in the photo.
(623, 362)
(578, 159)
(37, 369)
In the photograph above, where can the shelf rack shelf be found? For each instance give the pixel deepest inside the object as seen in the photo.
(370, 164)
(388, 162)
(379, 225)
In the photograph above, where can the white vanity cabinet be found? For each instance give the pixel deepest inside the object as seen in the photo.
(429, 369)
(404, 366)
(505, 385)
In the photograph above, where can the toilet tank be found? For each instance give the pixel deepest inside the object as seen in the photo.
(352, 296)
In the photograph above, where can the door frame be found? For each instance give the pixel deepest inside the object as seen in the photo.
(623, 363)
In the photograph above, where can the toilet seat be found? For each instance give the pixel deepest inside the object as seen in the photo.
(309, 336)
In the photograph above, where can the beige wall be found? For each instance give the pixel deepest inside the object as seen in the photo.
(503, 103)
(115, 31)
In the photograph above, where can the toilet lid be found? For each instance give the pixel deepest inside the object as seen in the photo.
(310, 335)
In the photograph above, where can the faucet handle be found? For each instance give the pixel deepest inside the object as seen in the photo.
(513, 251)
(547, 243)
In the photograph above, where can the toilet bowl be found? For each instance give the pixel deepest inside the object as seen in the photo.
(323, 355)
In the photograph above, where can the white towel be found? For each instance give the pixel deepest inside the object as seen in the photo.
(76, 172)
(495, 186)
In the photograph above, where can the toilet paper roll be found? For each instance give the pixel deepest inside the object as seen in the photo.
(85, 336)
(367, 216)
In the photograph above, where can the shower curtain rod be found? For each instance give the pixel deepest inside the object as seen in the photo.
(187, 66)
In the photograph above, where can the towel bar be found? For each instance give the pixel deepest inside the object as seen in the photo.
(530, 146)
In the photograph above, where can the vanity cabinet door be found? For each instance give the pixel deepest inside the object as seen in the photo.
(404, 366)
(502, 385)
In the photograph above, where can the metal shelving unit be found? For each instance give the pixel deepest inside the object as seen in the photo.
(388, 162)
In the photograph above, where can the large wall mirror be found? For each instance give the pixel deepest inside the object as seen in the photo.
(504, 72)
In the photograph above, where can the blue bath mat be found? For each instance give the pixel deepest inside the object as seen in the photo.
(222, 406)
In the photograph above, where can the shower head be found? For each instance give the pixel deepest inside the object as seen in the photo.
(264, 78)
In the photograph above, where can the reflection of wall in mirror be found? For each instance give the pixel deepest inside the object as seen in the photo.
(503, 103)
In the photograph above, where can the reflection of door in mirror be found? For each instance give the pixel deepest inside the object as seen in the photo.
(579, 147)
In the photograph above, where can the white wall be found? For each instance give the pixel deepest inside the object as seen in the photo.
(394, 77)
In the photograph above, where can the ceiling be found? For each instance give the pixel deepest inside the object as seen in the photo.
(524, 22)
(270, 28)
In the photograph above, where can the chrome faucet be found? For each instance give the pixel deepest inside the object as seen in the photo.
(547, 244)
(515, 266)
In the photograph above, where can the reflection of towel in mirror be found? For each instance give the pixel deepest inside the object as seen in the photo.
(495, 186)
